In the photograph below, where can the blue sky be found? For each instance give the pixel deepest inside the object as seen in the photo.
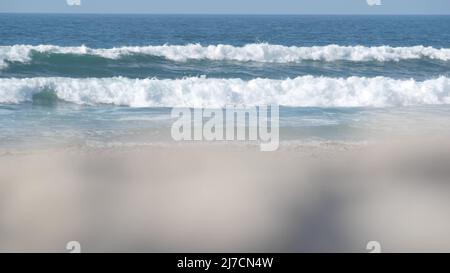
(231, 6)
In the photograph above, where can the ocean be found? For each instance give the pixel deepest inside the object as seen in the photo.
(112, 79)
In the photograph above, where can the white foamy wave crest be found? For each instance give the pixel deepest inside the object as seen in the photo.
(252, 52)
(204, 92)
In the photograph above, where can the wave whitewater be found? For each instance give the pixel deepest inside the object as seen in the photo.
(306, 91)
(262, 52)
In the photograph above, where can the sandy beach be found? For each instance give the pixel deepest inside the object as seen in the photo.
(194, 197)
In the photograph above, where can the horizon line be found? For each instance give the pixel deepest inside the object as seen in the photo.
(213, 13)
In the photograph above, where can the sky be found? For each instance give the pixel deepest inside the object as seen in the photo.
(231, 6)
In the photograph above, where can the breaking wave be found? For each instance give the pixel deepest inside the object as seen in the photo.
(262, 52)
(305, 91)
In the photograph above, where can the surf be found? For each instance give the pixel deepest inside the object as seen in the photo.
(259, 52)
(304, 91)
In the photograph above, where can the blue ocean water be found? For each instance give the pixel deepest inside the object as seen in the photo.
(114, 78)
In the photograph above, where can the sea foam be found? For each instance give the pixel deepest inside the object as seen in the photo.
(209, 92)
(262, 52)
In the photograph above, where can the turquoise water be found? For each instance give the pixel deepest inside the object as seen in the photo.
(113, 78)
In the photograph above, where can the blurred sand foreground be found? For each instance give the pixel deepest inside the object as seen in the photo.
(194, 198)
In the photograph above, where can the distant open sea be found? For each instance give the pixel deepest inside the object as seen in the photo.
(112, 79)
